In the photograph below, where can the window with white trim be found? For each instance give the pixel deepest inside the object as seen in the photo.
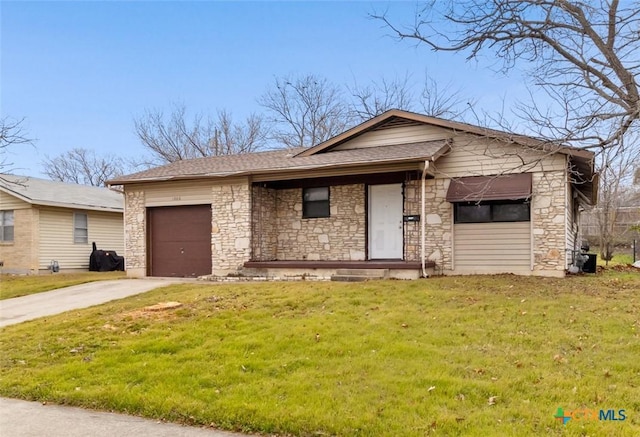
(6, 226)
(80, 228)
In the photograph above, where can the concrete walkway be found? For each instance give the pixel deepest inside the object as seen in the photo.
(32, 419)
(21, 309)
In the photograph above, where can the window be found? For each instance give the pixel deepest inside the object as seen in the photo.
(485, 212)
(315, 202)
(80, 228)
(6, 226)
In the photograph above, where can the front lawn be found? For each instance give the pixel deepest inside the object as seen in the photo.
(479, 356)
(22, 285)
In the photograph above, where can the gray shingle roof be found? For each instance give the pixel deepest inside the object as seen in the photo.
(285, 160)
(51, 193)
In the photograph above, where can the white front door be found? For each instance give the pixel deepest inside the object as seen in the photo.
(385, 221)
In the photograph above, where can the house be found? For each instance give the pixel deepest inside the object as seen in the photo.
(43, 221)
(403, 192)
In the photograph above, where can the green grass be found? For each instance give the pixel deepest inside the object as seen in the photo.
(382, 358)
(22, 285)
(619, 259)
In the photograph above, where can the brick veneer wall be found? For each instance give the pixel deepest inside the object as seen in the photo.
(21, 254)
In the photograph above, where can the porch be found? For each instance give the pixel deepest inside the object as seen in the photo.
(338, 270)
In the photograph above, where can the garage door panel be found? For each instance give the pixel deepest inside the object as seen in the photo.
(180, 241)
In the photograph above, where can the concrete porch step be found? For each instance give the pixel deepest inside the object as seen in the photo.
(357, 275)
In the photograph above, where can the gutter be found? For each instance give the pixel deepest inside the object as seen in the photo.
(423, 219)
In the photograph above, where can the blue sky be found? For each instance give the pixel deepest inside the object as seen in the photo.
(80, 72)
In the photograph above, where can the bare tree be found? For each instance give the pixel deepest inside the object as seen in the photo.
(11, 134)
(433, 99)
(82, 166)
(371, 100)
(616, 191)
(304, 110)
(173, 138)
(443, 101)
(584, 55)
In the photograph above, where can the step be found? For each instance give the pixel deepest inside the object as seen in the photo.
(352, 278)
(370, 273)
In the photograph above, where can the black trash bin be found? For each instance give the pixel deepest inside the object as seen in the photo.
(589, 265)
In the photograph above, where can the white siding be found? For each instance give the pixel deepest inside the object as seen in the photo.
(397, 135)
(7, 202)
(56, 237)
(473, 156)
(492, 247)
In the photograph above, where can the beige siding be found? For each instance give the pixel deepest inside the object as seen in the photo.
(473, 156)
(20, 255)
(178, 193)
(492, 247)
(397, 135)
(7, 201)
(56, 237)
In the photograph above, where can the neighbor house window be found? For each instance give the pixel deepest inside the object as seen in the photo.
(315, 202)
(497, 211)
(6, 226)
(80, 228)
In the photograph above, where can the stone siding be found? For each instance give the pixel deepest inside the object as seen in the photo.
(230, 227)
(338, 237)
(263, 222)
(135, 243)
(438, 221)
(548, 215)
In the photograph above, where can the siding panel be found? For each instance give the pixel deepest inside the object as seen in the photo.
(7, 201)
(492, 247)
(178, 193)
(471, 156)
(56, 237)
(397, 135)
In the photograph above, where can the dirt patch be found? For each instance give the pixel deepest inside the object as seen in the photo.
(161, 310)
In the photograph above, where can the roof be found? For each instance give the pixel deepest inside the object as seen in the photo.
(397, 117)
(312, 158)
(286, 160)
(60, 194)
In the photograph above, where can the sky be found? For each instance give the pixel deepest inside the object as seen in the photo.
(80, 72)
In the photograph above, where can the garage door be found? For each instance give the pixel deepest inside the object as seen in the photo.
(180, 241)
(492, 247)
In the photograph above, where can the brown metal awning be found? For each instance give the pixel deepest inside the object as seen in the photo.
(482, 188)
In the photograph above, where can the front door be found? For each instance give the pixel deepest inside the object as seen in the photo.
(385, 221)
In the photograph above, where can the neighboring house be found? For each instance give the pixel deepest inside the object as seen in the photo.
(43, 221)
(404, 192)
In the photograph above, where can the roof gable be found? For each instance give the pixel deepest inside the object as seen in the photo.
(37, 191)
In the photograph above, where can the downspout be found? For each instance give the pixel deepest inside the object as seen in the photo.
(423, 220)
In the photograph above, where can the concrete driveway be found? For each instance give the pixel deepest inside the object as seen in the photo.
(32, 419)
(21, 309)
